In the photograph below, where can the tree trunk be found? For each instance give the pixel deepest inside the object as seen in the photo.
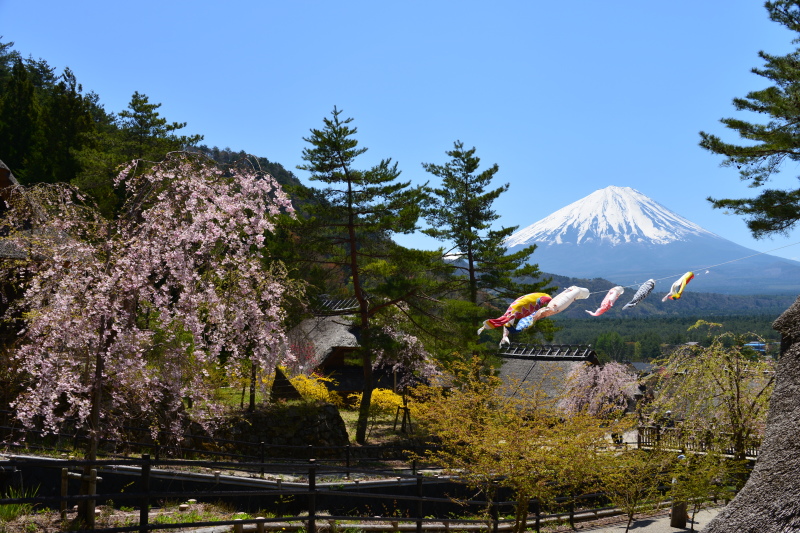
(521, 515)
(769, 501)
(366, 397)
(253, 376)
(86, 508)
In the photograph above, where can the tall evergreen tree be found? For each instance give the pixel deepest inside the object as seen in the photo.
(139, 132)
(461, 215)
(19, 122)
(66, 127)
(350, 222)
(8, 56)
(147, 134)
(768, 145)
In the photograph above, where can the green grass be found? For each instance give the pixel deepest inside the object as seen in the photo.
(12, 511)
(192, 515)
(232, 396)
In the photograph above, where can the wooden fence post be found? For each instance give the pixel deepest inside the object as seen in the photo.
(572, 513)
(347, 460)
(144, 510)
(312, 500)
(261, 457)
(91, 504)
(64, 489)
(495, 514)
(419, 504)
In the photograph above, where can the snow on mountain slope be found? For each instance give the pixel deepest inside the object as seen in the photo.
(619, 234)
(613, 216)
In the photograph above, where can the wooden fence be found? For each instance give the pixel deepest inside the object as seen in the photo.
(676, 438)
(312, 493)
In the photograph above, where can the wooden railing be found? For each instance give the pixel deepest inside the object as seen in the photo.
(407, 501)
(677, 438)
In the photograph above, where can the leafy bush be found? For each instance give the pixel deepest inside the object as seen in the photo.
(313, 389)
(383, 403)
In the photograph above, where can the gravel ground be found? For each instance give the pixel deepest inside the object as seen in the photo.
(655, 523)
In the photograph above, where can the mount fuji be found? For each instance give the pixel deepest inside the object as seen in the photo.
(619, 234)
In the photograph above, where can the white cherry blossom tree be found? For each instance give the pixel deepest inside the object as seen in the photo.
(125, 318)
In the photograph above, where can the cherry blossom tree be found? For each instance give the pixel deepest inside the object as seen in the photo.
(404, 354)
(603, 391)
(125, 318)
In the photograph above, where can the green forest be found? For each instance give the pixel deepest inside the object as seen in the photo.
(647, 331)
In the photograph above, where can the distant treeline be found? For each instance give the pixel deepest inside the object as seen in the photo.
(653, 327)
(670, 330)
(692, 304)
(52, 131)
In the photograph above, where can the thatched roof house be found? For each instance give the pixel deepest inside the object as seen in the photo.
(543, 367)
(324, 344)
(323, 338)
(770, 501)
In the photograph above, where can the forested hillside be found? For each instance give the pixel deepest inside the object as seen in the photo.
(52, 131)
(654, 327)
(226, 157)
(691, 304)
(668, 330)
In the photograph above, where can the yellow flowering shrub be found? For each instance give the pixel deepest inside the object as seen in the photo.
(312, 388)
(384, 402)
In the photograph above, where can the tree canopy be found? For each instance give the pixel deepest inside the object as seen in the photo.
(460, 214)
(347, 226)
(768, 146)
(125, 318)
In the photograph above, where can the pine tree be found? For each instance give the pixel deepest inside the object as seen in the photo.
(19, 121)
(147, 134)
(8, 56)
(66, 127)
(139, 132)
(461, 214)
(349, 225)
(768, 145)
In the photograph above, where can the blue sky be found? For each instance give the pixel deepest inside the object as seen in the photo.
(566, 97)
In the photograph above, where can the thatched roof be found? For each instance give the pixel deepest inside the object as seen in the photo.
(323, 335)
(7, 178)
(769, 501)
(641, 369)
(542, 366)
(335, 334)
(534, 374)
(327, 306)
(549, 352)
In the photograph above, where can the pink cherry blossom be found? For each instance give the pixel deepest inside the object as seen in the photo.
(159, 296)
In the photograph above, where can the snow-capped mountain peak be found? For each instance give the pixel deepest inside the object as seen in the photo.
(610, 216)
